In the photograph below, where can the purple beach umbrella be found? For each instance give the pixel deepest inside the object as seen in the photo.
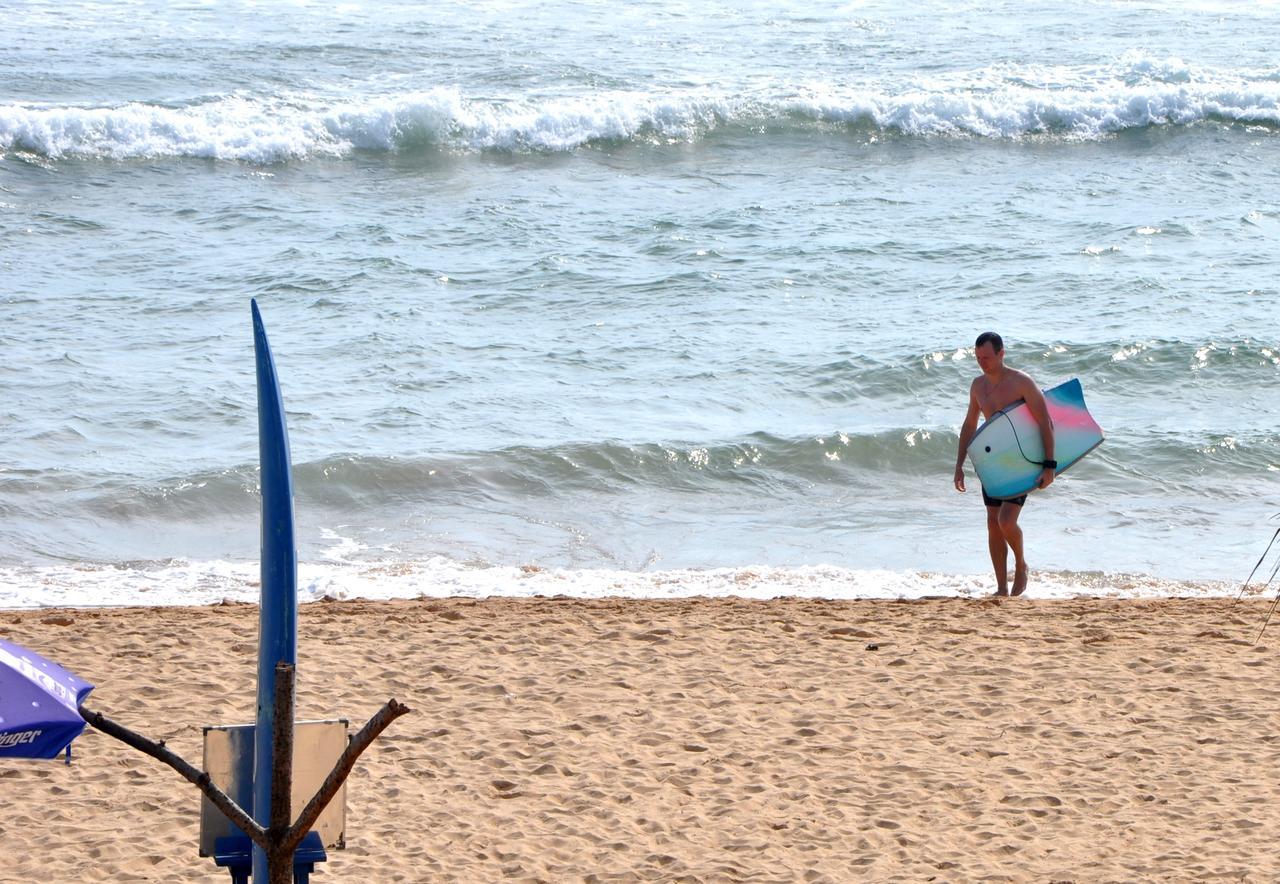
(39, 704)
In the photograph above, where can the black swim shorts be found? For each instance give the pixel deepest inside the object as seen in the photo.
(993, 501)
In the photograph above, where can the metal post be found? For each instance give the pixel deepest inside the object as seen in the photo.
(281, 863)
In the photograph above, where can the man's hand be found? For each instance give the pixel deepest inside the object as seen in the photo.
(1046, 478)
(959, 480)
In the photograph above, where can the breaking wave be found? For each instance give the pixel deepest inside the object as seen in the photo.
(996, 103)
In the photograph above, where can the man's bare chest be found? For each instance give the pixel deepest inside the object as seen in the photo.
(994, 397)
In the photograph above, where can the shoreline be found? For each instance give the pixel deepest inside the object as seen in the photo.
(703, 738)
(196, 583)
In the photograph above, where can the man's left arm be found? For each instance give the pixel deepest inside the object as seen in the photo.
(1040, 411)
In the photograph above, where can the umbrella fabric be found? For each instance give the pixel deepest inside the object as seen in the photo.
(39, 704)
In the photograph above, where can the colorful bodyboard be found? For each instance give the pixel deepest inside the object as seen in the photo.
(1007, 449)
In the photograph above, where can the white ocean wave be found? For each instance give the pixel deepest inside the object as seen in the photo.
(998, 102)
(180, 582)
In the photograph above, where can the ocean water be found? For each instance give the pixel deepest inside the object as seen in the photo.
(649, 298)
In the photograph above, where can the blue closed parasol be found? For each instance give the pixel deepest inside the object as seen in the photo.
(39, 704)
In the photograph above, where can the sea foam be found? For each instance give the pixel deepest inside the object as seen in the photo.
(998, 102)
(183, 582)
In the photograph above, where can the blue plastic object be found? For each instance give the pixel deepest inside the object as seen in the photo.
(234, 854)
(278, 609)
(39, 704)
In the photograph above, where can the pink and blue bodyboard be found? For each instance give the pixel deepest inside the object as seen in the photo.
(1007, 449)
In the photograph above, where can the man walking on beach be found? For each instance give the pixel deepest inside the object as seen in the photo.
(999, 387)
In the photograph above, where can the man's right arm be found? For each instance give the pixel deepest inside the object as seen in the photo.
(967, 431)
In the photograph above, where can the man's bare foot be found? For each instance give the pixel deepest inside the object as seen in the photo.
(1019, 580)
(1001, 593)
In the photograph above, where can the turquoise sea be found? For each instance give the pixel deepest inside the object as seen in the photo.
(649, 298)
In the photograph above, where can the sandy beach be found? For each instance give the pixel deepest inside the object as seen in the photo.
(697, 740)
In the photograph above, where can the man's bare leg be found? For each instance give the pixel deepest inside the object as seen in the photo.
(999, 550)
(1008, 521)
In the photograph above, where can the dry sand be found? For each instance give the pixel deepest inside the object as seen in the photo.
(699, 740)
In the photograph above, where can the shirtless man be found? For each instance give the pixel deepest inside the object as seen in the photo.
(999, 387)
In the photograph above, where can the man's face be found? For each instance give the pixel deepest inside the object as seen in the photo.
(988, 358)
